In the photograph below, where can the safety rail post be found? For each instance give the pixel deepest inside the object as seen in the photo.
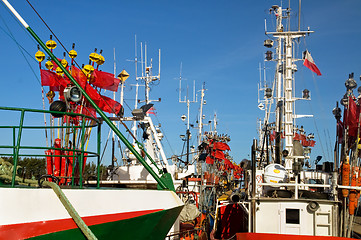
(98, 152)
(81, 160)
(74, 157)
(14, 141)
(17, 147)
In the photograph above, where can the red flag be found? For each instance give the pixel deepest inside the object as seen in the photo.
(105, 80)
(228, 164)
(104, 103)
(302, 137)
(305, 143)
(50, 79)
(78, 74)
(309, 63)
(218, 154)
(312, 143)
(221, 146)
(209, 160)
(272, 136)
(351, 117)
(297, 137)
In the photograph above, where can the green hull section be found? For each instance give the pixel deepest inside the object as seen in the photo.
(153, 226)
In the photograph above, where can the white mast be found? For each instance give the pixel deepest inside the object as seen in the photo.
(285, 81)
(200, 121)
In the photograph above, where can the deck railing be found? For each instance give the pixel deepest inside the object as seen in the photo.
(16, 149)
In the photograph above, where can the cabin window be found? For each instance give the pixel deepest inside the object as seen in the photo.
(292, 216)
(315, 181)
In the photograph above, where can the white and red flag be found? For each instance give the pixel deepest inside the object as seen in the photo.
(308, 62)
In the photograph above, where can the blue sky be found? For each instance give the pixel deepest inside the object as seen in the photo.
(218, 42)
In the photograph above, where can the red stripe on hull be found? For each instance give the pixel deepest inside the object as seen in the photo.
(268, 236)
(33, 229)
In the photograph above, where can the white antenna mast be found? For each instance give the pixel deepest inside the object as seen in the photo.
(147, 75)
(200, 122)
(180, 82)
(159, 64)
(141, 58)
(136, 56)
(187, 117)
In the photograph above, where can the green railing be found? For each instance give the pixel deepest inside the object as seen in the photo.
(86, 123)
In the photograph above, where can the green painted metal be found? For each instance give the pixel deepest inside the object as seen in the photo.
(154, 226)
(167, 178)
(98, 151)
(100, 112)
(16, 139)
(17, 147)
(81, 160)
(71, 210)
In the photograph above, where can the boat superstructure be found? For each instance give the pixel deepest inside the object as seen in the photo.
(281, 194)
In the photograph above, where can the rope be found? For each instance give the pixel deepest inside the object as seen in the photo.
(71, 210)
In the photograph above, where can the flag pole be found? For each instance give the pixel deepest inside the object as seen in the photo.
(161, 183)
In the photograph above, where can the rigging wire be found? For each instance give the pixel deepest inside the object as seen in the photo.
(62, 46)
(165, 136)
(320, 104)
(127, 129)
(22, 50)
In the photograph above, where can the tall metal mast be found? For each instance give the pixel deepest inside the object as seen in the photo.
(200, 121)
(285, 81)
(186, 100)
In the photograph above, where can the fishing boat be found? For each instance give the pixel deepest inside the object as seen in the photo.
(60, 205)
(281, 196)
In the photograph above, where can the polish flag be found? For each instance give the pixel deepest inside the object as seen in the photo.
(310, 63)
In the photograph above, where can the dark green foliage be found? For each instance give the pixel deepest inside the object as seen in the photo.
(29, 168)
(90, 171)
(33, 168)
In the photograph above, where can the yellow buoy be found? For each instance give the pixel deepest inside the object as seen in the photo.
(88, 69)
(73, 54)
(49, 65)
(51, 44)
(40, 56)
(101, 60)
(50, 95)
(59, 71)
(64, 62)
(94, 57)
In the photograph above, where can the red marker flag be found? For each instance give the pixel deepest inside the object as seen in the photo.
(105, 80)
(309, 63)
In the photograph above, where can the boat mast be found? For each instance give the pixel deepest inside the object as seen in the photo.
(200, 122)
(285, 81)
(279, 103)
(183, 117)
